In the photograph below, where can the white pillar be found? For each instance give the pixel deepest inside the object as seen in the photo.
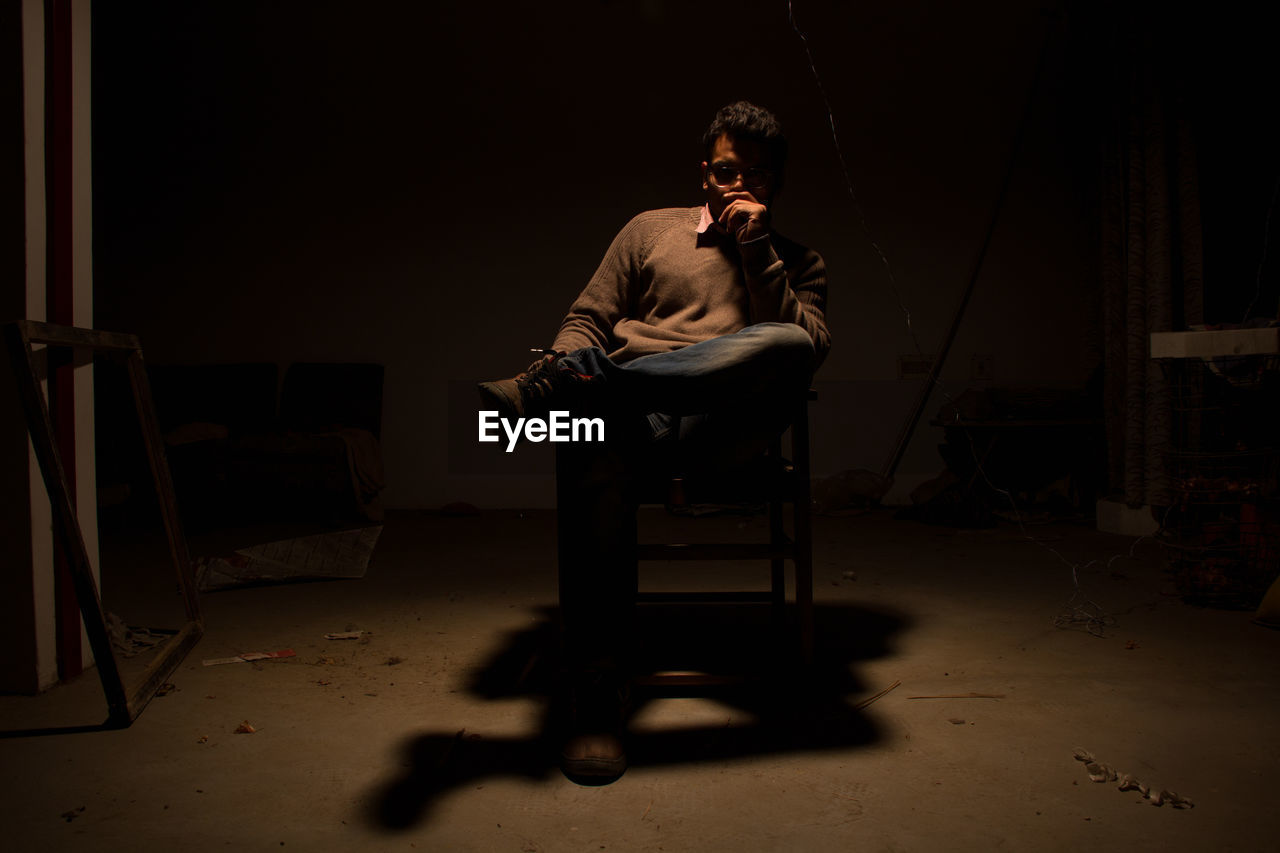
(28, 606)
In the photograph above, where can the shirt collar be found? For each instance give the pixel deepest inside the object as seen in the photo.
(706, 223)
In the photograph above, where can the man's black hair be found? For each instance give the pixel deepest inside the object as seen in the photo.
(744, 120)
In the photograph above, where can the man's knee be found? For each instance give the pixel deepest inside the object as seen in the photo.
(780, 334)
(787, 342)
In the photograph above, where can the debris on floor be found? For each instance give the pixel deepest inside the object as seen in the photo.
(1100, 772)
(338, 554)
(72, 815)
(129, 640)
(344, 635)
(249, 656)
(245, 728)
(865, 702)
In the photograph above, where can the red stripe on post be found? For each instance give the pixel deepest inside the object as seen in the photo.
(60, 295)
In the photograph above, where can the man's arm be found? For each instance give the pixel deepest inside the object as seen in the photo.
(787, 284)
(607, 298)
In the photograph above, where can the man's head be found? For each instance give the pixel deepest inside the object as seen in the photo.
(745, 152)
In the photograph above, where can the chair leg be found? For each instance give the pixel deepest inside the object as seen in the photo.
(803, 536)
(804, 587)
(777, 566)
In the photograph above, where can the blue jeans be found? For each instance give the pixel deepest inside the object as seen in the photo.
(764, 359)
(730, 397)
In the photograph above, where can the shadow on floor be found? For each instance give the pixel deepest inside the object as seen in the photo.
(789, 710)
(107, 725)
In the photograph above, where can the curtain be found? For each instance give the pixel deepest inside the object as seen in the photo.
(1151, 265)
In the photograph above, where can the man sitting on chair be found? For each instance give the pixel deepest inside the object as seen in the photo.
(694, 341)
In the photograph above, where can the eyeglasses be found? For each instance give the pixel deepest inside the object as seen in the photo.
(723, 175)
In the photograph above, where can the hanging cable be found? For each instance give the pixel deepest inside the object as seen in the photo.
(848, 181)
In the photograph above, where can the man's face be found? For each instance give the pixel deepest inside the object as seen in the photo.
(738, 168)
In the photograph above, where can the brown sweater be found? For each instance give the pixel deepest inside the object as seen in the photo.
(663, 286)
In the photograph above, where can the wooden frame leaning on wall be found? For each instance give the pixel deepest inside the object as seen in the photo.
(125, 702)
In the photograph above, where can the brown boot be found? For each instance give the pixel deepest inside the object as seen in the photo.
(593, 759)
(529, 394)
(593, 753)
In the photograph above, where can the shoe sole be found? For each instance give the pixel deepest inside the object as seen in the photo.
(593, 771)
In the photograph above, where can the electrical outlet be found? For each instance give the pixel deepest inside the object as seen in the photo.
(980, 366)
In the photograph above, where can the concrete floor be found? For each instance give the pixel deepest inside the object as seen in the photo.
(432, 735)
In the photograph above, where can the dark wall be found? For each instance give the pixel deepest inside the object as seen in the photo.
(429, 185)
(1230, 77)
